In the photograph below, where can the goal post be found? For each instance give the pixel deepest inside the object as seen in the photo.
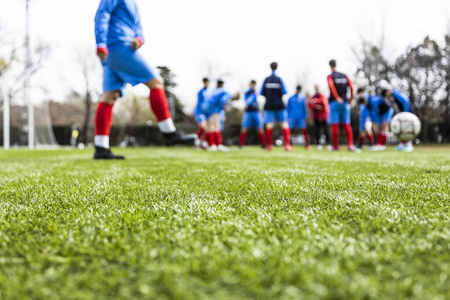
(6, 118)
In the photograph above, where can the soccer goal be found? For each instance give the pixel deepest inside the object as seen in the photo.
(26, 125)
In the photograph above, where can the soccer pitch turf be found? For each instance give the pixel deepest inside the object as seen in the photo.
(185, 224)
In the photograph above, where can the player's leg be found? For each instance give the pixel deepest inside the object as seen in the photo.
(362, 134)
(302, 125)
(201, 121)
(317, 126)
(218, 133)
(244, 127)
(260, 127)
(368, 129)
(346, 119)
(269, 120)
(334, 121)
(281, 116)
(211, 129)
(103, 122)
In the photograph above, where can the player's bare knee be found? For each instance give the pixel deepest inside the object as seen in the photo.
(110, 97)
(156, 83)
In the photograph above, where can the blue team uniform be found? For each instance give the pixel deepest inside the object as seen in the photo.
(364, 116)
(374, 103)
(339, 84)
(252, 117)
(273, 89)
(117, 23)
(296, 110)
(402, 101)
(216, 102)
(198, 113)
(385, 111)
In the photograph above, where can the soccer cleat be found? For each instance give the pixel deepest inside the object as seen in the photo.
(212, 148)
(408, 148)
(329, 148)
(400, 147)
(222, 148)
(177, 138)
(333, 149)
(371, 148)
(197, 143)
(104, 153)
(380, 148)
(308, 148)
(319, 147)
(268, 148)
(288, 148)
(352, 148)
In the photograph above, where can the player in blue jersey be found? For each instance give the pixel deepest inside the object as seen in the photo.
(297, 113)
(365, 121)
(273, 89)
(252, 117)
(340, 106)
(383, 113)
(404, 105)
(212, 108)
(119, 35)
(198, 113)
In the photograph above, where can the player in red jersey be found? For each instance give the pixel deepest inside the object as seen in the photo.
(320, 111)
(340, 105)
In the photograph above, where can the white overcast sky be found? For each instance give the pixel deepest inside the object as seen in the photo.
(236, 38)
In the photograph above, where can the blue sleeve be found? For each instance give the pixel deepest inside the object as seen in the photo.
(250, 99)
(225, 98)
(283, 87)
(263, 88)
(102, 18)
(138, 29)
(289, 105)
(403, 99)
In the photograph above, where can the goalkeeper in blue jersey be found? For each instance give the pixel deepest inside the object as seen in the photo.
(212, 108)
(119, 35)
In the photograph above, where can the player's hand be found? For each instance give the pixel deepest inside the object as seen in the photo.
(236, 96)
(136, 43)
(340, 100)
(318, 107)
(102, 53)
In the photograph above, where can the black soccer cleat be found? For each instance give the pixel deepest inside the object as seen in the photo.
(104, 153)
(177, 138)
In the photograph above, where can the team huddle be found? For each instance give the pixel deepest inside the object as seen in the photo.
(119, 36)
(376, 113)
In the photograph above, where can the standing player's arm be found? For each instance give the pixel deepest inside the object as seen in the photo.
(102, 18)
(249, 100)
(263, 89)
(352, 92)
(283, 87)
(326, 107)
(138, 41)
(333, 89)
(402, 99)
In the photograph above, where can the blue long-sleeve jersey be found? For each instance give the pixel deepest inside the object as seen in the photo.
(216, 102)
(251, 100)
(296, 107)
(201, 97)
(117, 23)
(364, 114)
(402, 101)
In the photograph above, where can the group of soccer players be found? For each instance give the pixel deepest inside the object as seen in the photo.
(376, 112)
(119, 36)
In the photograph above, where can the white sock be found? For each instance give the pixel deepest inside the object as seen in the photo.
(167, 126)
(101, 141)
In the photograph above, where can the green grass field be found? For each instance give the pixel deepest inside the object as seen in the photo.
(185, 224)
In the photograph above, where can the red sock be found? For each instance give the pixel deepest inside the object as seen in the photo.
(382, 139)
(242, 138)
(103, 119)
(335, 135)
(159, 105)
(349, 134)
(262, 139)
(370, 137)
(218, 138)
(200, 132)
(287, 136)
(361, 140)
(269, 133)
(305, 134)
(212, 139)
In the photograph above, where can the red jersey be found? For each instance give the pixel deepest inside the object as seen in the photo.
(319, 107)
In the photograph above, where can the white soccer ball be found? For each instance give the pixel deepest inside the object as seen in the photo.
(406, 126)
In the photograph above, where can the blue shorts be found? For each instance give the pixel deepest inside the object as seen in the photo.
(339, 113)
(374, 116)
(252, 119)
(387, 116)
(200, 118)
(125, 67)
(297, 123)
(272, 116)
